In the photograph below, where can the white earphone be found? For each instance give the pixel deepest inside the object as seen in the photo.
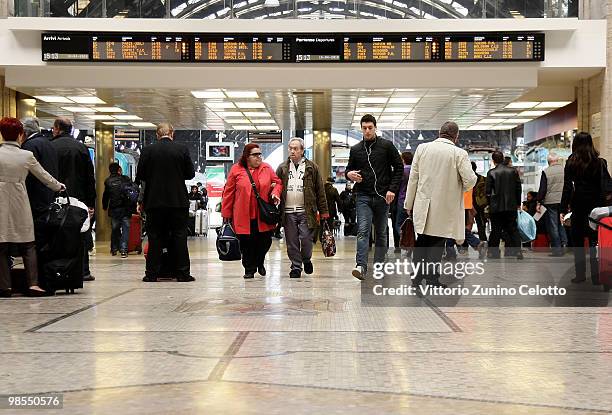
(368, 152)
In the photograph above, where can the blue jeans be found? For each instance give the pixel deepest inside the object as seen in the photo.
(371, 210)
(556, 232)
(400, 218)
(120, 234)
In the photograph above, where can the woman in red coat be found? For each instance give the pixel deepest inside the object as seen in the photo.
(239, 205)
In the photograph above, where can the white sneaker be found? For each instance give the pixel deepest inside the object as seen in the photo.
(358, 272)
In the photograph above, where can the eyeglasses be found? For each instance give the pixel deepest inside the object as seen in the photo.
(255, 154)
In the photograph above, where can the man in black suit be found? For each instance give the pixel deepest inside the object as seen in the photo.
(164, 167)
(77, 173)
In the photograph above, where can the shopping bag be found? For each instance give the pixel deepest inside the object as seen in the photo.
(526, 226)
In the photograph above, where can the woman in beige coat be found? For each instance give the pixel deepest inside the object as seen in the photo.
(16, 224)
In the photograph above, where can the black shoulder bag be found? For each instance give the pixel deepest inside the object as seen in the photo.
(267, 211)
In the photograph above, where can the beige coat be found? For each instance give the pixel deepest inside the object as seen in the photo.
(16, 223)
(439, 175)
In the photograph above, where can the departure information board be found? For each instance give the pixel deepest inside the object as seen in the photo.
(139, 48)
(241, 48)
(494, 47)
(391, 48)
(293, 48)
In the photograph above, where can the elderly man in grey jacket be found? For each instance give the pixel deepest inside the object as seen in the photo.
(441, 172)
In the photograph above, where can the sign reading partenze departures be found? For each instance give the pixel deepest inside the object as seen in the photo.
(292, 47)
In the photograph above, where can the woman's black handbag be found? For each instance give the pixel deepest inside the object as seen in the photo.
(228, 245)
(268, 212)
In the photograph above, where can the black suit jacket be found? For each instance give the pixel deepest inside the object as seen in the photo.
(164, 167)
(75, 169)
(40, 195)
(503, 189)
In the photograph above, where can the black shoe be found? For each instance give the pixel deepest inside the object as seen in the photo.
(114, 253)
(149, 279)
(606, 288)
(595, 281)
(520, 256)
(295, 274)
(188, 278)
(89, 278)
(436, 284)
(308, 267)
(124, 255)
(262, 270)
(6, 293)
(578, 280)
(248, 276)
(556, 254)
(36, 293)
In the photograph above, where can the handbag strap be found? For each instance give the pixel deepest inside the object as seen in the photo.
(252, 182)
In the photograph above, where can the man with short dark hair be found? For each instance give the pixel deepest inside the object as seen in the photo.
(77, 173)
(480, 202)
(504, 194)
(440, 174)
(119, 208)
(164, 167)
(376, 168)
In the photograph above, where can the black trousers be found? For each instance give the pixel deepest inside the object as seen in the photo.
(167, 228)
(27, 251)
(427, 255)
(481, 224)
(581, 230)
(500, 222)
(254, 248)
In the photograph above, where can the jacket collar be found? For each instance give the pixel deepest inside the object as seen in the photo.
(444, 140)
(165, 138)
(11, 143)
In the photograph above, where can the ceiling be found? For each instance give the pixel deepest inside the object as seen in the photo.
(291, 109)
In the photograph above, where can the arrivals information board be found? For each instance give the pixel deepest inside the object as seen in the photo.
(293, 48)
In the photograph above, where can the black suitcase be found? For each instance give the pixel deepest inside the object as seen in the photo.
(350, 229)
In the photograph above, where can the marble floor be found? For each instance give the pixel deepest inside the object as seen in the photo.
(323, 344)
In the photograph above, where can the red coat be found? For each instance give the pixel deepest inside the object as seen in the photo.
(237, 195)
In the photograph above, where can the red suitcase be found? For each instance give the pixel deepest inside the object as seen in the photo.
(135, 239)
(605, 251)
(541, 243)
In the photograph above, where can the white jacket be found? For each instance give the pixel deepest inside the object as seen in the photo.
(440, 173)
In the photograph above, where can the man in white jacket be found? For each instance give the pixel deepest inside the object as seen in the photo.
(441, 172)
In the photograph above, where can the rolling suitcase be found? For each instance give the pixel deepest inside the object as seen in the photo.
(135, 238)
(201, 223)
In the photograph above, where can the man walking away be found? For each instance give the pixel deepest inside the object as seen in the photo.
(120, 207)
(303, 195)
(333, 202)
(164, 167)
(504, 193)
(77, 173)
(549, 195)
(376, 168)
(480, 202)
(440, 174)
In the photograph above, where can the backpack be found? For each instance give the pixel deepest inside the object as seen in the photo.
(130, 192)
(480, 192)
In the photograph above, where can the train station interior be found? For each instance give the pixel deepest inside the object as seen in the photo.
(523, 77)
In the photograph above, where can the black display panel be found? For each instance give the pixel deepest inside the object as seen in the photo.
(65, 47)
(391, 48)
(293, 48)
(241, 48)
(146, 48)
(494, 47)
(316, 48)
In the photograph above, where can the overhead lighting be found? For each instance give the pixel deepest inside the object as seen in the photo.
(109, 109)
(224, 114)
(386, 117)
(502, 127)
(375, 110)
(260, 121)
(403, 100)
(489, 121)
(532, 113)
(522, 105)
(237, 121)
(99, 117)
(115, 123)
(241, 94)
(372, 100)
(398, 109)
(553, 104)
(79, 109)
(126, 117)
(143, 124)
(53, 99)
(244, 127)
(271, 3)
(210, 93)
(254, 114)
(503, 114)
(481, 127)
(517, 121)
(86, 100)
(247, 104)
(267, 127)
(220, 105)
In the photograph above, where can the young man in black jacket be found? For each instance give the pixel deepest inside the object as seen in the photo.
(376, 168)
(119, 208)
(164, 167)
